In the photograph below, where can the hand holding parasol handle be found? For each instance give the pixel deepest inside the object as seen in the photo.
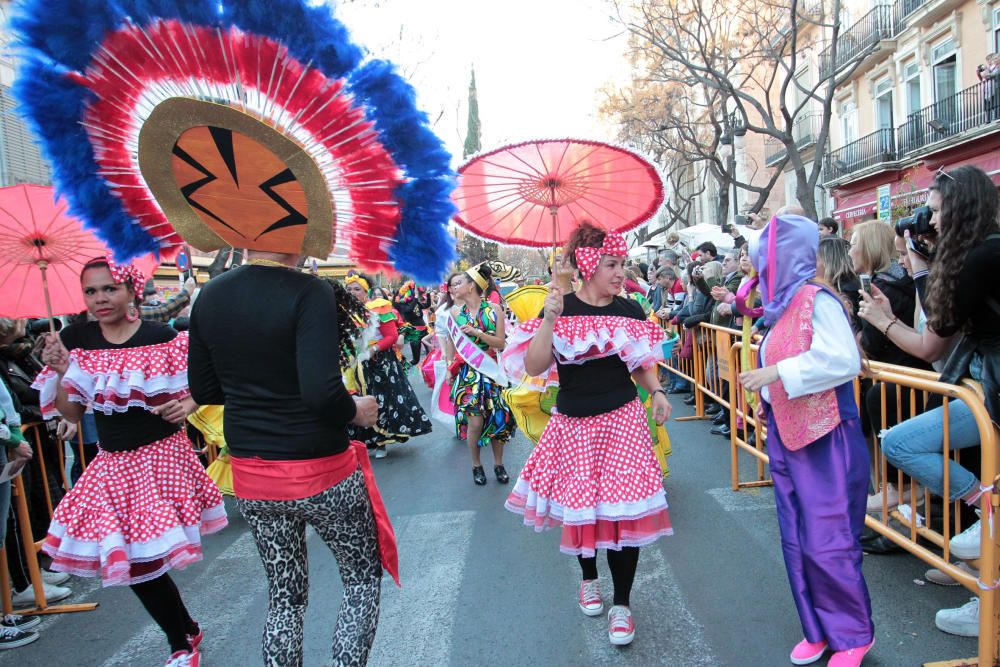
(560, 277)
(43, 266)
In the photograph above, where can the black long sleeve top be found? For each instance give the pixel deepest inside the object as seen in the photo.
(264, 343)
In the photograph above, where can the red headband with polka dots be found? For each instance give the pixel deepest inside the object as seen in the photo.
(587, 259)
(127, 273)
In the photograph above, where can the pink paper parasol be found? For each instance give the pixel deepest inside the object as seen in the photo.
(42, 250)
(535, 193)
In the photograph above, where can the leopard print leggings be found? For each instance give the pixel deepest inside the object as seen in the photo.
(342, 516)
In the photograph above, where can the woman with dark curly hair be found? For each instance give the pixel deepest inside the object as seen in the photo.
(959, 293)
(594, 472)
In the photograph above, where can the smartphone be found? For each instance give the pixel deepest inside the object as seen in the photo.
(866, 283)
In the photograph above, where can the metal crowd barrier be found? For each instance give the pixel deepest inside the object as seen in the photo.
(909, 390)
(19, 504)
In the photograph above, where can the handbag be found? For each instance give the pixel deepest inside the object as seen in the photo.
(687, 349)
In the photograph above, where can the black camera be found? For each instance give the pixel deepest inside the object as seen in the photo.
(41, 326)
(919, 224)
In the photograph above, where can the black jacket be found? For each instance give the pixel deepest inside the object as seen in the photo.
(898, 287)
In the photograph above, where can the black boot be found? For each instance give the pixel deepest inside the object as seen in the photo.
(501, 474)
(479, 476)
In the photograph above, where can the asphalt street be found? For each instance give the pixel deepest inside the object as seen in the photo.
(479, 588)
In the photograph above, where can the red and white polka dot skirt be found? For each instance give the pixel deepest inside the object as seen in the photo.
(134, 515)
(597, 477)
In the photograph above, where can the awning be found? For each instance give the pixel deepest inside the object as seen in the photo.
(853, 207)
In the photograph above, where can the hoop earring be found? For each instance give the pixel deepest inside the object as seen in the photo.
(132, 314)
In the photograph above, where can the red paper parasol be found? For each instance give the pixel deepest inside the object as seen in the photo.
(535, 193)
(42, 250)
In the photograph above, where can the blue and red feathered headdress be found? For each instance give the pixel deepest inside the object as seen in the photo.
(251, 123)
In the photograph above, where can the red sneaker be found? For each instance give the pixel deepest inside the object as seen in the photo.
(621, 629)
(591, 603)
(807, 652)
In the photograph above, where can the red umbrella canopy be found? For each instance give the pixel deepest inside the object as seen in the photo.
(36, 232)
(535, 193)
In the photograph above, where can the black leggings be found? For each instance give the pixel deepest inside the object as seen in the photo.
(623, 565)
(163, 601)
(415, 350)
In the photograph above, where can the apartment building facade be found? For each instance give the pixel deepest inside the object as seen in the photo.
(20, 159)
(915, 103)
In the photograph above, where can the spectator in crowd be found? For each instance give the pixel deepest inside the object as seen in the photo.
(668, 291)
(834, 268)
(959, 292)
(828, 227)
(18, 368)
(642, 271)
(674, 244)
(737, 234)
(707, 252)
(671, 259)
(704, 278)
(872, 253)
(722, 315)
(154, 310)
(15, 630)
(989, 75)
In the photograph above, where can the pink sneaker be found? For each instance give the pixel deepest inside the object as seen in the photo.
(807, 652)
(621, 629)
(851, 657)
(591, 603)
(184, 659)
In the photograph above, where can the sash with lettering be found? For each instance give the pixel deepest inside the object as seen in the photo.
(480, 361)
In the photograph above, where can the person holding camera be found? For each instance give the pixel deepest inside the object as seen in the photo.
(959, 294)
(989, 75)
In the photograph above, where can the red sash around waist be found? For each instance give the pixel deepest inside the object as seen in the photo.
(260, 479)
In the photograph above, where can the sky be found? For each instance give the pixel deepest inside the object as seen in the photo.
(539, 63)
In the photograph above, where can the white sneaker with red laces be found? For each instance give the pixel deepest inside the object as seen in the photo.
(591, 603)
(621, 629)
(184, 659)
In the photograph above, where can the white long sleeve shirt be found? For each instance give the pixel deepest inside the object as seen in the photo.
(831, 360)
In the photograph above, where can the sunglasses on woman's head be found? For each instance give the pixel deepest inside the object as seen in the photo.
(942, 172)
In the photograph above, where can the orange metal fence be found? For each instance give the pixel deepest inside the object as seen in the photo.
(19, 504)
(899, 393)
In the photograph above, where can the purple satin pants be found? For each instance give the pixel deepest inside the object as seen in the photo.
(821, 492)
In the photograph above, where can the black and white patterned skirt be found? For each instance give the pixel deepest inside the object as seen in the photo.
(400, 416)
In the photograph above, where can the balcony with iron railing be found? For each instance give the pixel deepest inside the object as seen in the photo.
(869, 151)
(970, 109)
(805, 132)
(901, 9)
(859, 40)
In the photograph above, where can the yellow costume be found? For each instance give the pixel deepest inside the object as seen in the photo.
(208, 420)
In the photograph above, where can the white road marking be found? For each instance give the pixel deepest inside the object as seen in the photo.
(416, 622)
(747, 500)
(666, 632)
(210, 600)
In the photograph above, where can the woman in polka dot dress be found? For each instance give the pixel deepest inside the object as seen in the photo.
(594, 471)
(142, 505)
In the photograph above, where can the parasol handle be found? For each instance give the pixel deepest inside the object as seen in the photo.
(562, 282)
(43, 267)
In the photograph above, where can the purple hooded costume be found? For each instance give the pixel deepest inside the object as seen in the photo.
(820, 490)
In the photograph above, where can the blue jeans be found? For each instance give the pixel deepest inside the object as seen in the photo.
(916, 446)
